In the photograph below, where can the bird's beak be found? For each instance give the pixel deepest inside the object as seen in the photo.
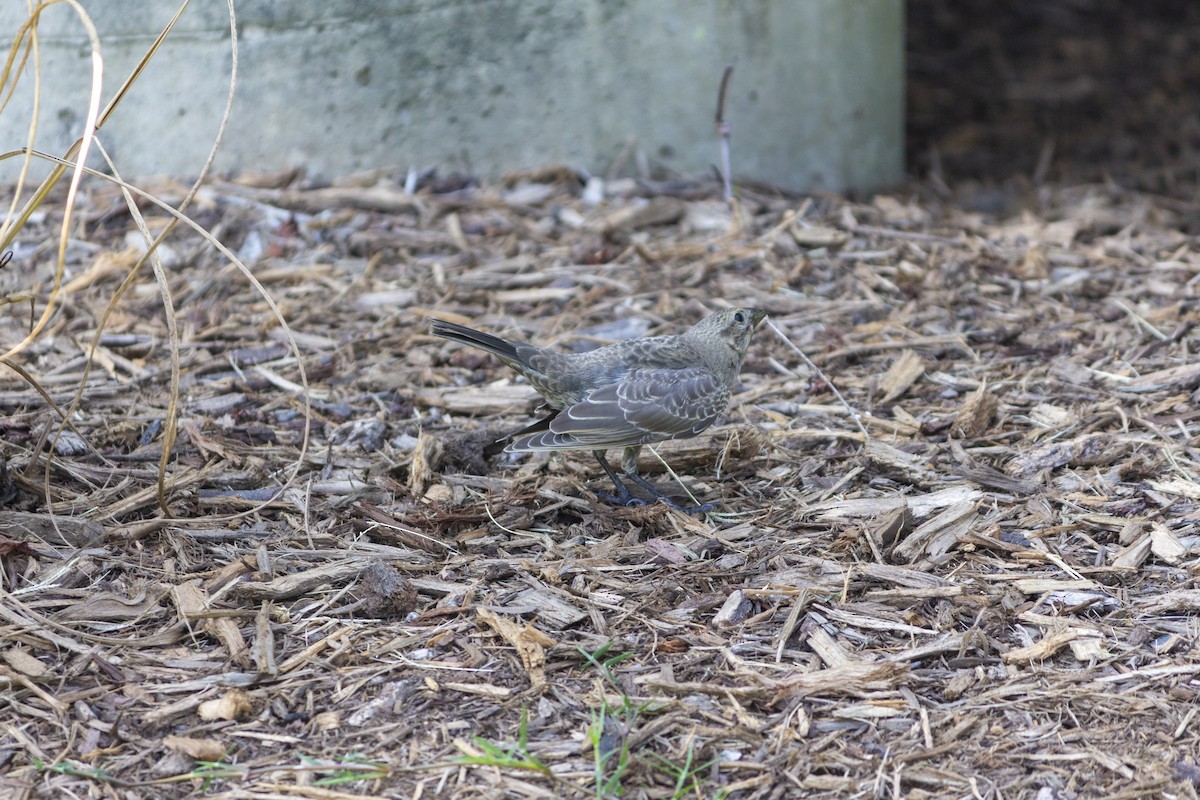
(757, 315)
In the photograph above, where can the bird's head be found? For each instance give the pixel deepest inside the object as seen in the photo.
(730, 327)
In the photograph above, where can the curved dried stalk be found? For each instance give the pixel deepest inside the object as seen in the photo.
(27, 43)
(8, 230)
(171, 424)
(250, 277)
(80, 154)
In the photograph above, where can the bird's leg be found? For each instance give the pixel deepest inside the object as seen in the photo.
(629, 465)
(623, 496)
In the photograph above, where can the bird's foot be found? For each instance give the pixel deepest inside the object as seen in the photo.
(702, 508)
(624, 497)
(627, 500)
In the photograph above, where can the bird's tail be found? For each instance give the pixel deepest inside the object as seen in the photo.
(484, 341)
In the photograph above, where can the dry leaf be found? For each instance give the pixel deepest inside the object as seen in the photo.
(529, 642)
(198, 749)
(426, 457)
(10, 546)
(234, 704)
(327, 721)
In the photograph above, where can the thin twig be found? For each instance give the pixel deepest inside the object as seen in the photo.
(853, 413)
(723, 132)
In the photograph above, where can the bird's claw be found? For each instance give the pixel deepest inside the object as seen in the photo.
(629, 501)
(626, 499)
(702, 508)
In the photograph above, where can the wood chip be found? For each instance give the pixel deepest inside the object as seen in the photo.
(852, 678)
(553, 609)
(1179, 486)
(1043, 585)
(976, 413)
(286, 587)
(1165, 545)
(1181, 377)
(912, 466)
(733, 611)
(1042, 650)
(817, 236)
(825, 646)
(724, 447)
(54, 529)
(1134, 554)
(1017, 532)
(192, 603)
(657, 211)
(480, 689)
(23, 662)
(502, 397)
(937, 535)
(903, 373)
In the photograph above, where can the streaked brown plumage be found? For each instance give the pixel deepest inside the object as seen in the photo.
(626, 394)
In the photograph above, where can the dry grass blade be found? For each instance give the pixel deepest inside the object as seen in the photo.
(79, 153)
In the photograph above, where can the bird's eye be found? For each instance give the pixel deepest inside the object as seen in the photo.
(739, 318)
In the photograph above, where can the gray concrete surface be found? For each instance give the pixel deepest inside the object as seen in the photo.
(485, 86)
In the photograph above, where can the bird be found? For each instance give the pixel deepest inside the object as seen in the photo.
(627, 394)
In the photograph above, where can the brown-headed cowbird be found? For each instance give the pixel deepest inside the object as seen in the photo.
(626, 394)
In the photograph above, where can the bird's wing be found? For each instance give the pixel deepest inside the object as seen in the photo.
(648, 405)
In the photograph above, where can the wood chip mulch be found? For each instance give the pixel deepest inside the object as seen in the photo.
(977, 578)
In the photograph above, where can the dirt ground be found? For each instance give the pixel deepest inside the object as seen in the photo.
(954, 552)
